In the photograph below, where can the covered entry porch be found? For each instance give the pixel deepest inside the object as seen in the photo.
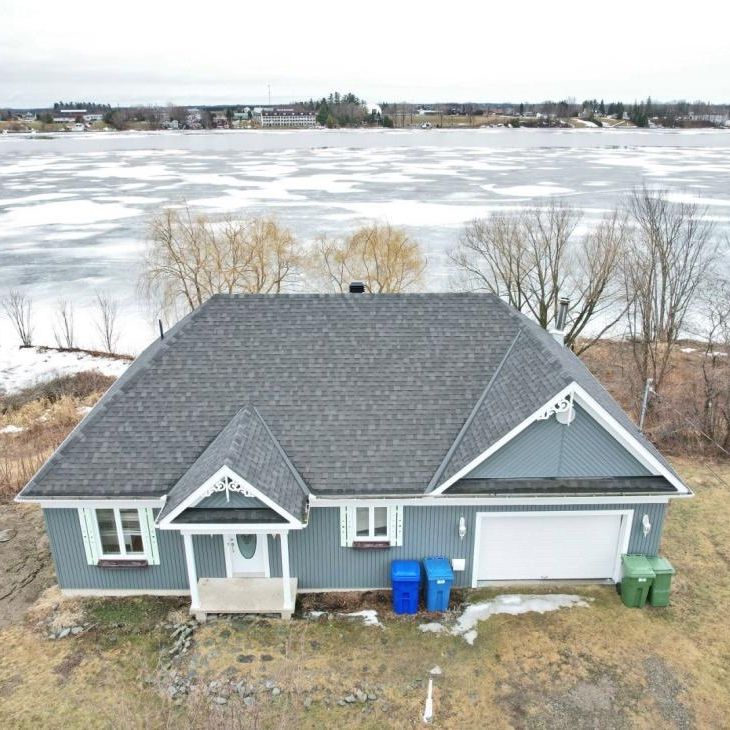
(247, 586)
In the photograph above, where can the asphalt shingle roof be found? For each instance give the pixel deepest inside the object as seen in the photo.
(365, 394)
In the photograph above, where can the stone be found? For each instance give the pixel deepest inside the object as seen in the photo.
(245, 658)
(221, 700)
(275, 692)
(307, 702)
(372, 696)
(350, 699)
(7, 535)
(361, 696)
(436, 670)
(63, 633)
(266, 658)
(76, 630)
(341, 703)
(269, 684)
(248, 701)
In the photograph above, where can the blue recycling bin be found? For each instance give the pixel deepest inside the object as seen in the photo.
(405, 577)
(439, 579)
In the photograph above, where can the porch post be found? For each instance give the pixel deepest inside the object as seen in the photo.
(285, 570)
(192, 573)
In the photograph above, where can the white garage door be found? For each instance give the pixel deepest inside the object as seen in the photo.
(549, 546)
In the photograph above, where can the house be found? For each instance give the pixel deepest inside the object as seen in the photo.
(275, 444)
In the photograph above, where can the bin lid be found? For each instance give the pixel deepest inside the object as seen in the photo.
(438, 568)
(636, 566)
(405, 570)
(661, 566)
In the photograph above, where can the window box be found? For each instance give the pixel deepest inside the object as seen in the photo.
(119, 563)
(371, 544)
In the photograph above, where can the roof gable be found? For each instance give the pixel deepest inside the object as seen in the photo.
(244, 458)
(548, 448)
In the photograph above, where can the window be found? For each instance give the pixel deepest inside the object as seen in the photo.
(371, 523)
(120, 533)
(117, 534)
(374, 524)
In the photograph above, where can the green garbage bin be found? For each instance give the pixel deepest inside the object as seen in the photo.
(662, 584)
(636, 581)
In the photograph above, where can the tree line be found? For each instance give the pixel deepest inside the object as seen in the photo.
(648, 272)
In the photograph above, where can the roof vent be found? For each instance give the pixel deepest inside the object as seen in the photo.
(357, 287)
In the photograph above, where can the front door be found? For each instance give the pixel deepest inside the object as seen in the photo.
(247, 555)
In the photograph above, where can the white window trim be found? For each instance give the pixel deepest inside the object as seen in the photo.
(371, 536)
(348, 522)
(146, 526)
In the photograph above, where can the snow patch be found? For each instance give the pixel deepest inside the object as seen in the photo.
(431, 628)
(369, 617)
(23, 367)
(11, 429)
(513, 604)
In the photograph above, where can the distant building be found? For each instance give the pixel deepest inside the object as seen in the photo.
(286, 118)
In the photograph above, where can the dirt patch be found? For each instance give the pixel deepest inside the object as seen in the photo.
(66, 668)
(666, 690)
(26, 568)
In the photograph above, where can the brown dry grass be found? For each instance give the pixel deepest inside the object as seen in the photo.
(603, 666)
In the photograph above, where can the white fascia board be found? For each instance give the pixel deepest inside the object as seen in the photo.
(519, 428)
(198, 494)
(91, 503)
(486, 501)
(228, 529)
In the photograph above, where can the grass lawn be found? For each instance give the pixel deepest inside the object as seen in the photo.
(604, 666)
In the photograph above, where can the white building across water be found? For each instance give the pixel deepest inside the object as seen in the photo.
(286, 118)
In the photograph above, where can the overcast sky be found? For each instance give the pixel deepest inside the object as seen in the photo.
(157, 51)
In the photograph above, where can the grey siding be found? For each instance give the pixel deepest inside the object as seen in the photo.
(550, 449)
(73, 572)
(218, 500)
(318, 561)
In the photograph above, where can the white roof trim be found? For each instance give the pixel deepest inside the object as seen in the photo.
(580, 396)
(200, 493)
(91, 502)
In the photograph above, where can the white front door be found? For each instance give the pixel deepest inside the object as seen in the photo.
(246, 555)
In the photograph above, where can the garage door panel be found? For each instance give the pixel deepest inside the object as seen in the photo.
(529, 546)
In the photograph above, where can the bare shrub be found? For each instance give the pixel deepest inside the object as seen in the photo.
(63, 331)
(18, 309)
(382, 256)
(107, 311)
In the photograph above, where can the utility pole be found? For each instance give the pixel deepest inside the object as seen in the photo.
(645, 403)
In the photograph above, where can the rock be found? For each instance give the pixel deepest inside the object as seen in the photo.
(436, 670)
(248, 701)
(266, 658)
(372, 696)
(76, 630)
(275, 692)
(63, 633)
(361, 696)
(221, 700)
(341, 703)
(307, 702)
(172, 692)
(245, 658)
(350, 699)
(7, 535)
(269, 684)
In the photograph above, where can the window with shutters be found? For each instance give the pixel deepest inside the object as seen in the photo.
(379, 525)
(119, 534)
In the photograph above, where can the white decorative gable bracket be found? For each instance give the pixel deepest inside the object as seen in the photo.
(562, 409)
(228, 484)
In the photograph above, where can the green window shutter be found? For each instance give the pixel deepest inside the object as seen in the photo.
(87, 518)
(149, 535)
(347, 526)
(396, 525)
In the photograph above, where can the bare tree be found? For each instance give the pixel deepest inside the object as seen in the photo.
(63, 332)
(383, 257)
(191, 257)
(107, 310)
(531, 260)
(18, 309)
(670, 256)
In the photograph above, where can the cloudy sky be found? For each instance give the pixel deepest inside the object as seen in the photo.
(157, 51)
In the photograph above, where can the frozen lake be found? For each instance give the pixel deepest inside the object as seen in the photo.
(73, 208)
